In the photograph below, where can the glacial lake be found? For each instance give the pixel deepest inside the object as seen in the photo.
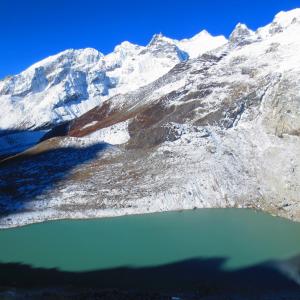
(232, 239)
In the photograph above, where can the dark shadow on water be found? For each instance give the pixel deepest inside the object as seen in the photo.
(26, 177)
(199, 276)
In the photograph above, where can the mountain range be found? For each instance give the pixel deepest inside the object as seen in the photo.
(200, 122)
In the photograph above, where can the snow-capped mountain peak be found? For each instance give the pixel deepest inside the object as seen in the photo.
(201, 43)
(287, 18)
(126, 47)
(159, 38)
(241, 35)
(282, 21)
(84, 57)
(121, 52)
(194, 46)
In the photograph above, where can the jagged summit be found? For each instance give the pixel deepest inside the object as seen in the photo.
(194, 46)
(160, 38)
(241, 35)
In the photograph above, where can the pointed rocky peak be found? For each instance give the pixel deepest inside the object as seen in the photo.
(241, 35)
(188, 48)
(161, 45)
(156, 38)
(240, 31)
(159, 39)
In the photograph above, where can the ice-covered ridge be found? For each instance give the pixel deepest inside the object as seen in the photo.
(81, 56)
(66, 85)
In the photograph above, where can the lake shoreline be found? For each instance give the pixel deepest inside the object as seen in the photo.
(36, 217)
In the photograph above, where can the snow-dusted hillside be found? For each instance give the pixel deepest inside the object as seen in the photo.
(221, 129)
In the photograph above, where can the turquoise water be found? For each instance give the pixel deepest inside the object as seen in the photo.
(244, 237)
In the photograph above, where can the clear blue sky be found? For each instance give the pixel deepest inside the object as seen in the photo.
(34, 29)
